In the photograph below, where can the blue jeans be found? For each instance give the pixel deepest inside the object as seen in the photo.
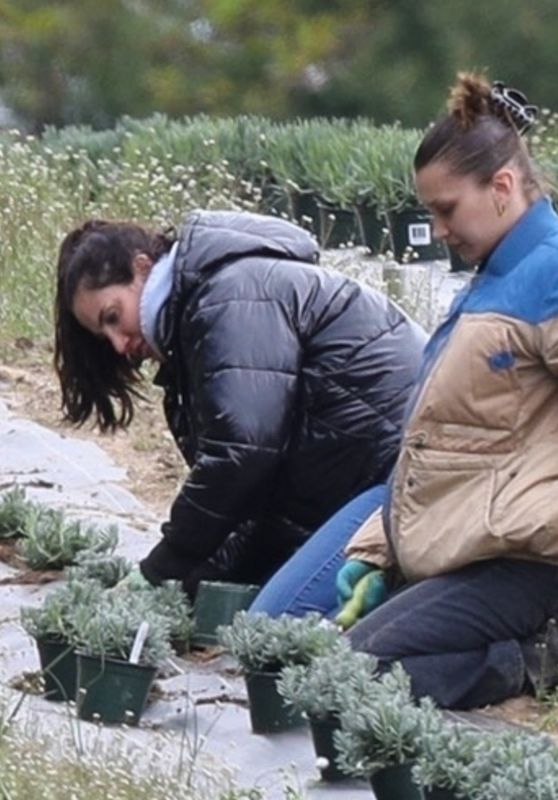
(460, 635)
(307, 581)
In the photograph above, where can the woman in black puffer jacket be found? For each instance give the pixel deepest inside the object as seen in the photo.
(284, 383)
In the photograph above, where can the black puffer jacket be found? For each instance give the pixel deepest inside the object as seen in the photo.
(285, 386)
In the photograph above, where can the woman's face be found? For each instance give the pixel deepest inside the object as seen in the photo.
(113, 312)
(465, 212)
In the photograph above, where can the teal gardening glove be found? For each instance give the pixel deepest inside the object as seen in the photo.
(360, 588)
(133, 582)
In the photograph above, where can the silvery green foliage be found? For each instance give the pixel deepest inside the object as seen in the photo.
(169, 602)
(108, 629)
(14, 508)
(447, 753)
(477, 764)
(51, 541)
(524, 766)
(108, 569)
(56, 617)
(258, 641)
(379, 729)
(320, 688)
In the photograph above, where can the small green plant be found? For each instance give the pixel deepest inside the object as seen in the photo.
(108, 629)
(55, 619)
(108, 569)
(170, 602)
(534, 778)
(472, 763)
(379, 729)
(319, 689)
(14, 509)
(260, 642)
(51, 541)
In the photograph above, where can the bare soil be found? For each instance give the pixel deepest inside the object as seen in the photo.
(154, 467)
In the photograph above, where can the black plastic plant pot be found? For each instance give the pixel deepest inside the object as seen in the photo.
(395, 783)
(438, 794)
(373, 228)
(112, 691)
(322, 731)
(413, 238)
(338, 226)
(216, 604)
(268, 711)
(304, 210)
(59, 666)
(274, 199)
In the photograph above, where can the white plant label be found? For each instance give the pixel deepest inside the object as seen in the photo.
(139, 642)
(419, 234)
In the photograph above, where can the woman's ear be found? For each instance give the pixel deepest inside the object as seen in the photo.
(503, 184)
(141, 264)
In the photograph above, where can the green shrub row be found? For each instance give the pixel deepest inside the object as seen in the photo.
(154, 170)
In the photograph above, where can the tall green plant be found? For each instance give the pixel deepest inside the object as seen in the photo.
(381, 166)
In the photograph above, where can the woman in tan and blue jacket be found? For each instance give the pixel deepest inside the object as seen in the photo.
(469, 522)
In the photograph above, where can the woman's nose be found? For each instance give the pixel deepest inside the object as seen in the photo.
(439, 229)
(119, 341)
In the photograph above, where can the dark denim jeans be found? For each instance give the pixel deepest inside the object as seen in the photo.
(460, 635)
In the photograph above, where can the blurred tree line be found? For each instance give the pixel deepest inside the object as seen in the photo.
(92, 61)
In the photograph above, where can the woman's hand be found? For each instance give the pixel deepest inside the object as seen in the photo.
(360, 589)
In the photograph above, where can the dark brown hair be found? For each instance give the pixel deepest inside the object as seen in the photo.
(94, 378)
(478, 135)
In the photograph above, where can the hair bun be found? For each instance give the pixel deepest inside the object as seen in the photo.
(514, 106)
(470, 98)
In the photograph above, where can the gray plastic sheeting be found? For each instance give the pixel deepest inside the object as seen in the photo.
(200, 707)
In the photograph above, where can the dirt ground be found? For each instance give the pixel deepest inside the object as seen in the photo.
(155, 469)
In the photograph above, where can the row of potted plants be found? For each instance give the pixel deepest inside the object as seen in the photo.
(85, 633)
(98, 648)
(366, 724)
(45, 538)
(102, 649)
(346, 180)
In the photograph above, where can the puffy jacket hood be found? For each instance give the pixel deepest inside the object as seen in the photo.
(210, 237)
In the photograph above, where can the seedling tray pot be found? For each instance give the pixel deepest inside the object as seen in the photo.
(322, 731)
(395, 783)
(372, 227)
(112, 691)
(216, 604)
(268, 711)
(304, 210)
(338, 226)
(413, 237)
(59, 666)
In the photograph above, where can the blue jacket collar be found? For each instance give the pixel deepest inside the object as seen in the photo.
(537, 222)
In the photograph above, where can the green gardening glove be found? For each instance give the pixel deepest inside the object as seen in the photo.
(361, 587)
(133, 582)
